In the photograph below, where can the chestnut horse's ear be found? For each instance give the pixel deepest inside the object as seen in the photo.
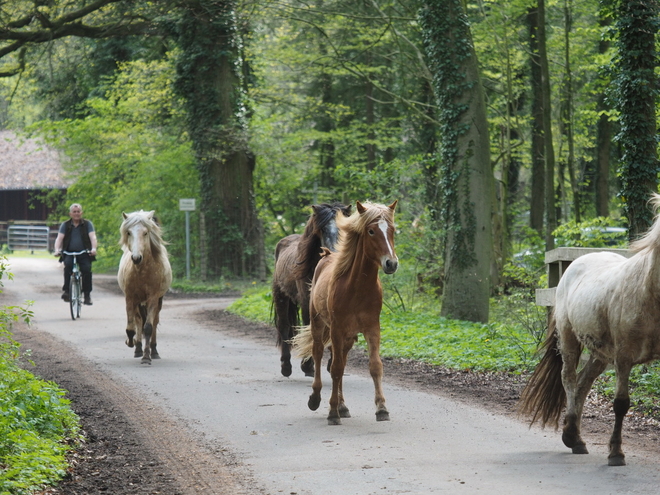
(393, 205)
(361, 209)
(124, 215)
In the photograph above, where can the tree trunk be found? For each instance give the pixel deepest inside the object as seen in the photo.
(537, 204)
(603, 142)
(548, 147)
(209, 78)
(468, 184)
(637, 90)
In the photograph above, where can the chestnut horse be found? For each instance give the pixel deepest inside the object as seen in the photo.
(144, 276)
(296, 257)
(346, 299)
(610, 305)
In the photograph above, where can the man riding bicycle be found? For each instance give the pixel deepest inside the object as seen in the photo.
(77, 234)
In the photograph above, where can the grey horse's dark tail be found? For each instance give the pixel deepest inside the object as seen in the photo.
(544, 397)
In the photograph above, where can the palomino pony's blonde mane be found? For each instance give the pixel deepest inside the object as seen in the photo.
(651, 239)
(155, 234)
(350, 229)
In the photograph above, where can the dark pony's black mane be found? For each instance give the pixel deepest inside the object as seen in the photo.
(309, 247)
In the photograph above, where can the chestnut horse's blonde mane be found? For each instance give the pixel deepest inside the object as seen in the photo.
(651, 239)
(155, 234)
(350, 230)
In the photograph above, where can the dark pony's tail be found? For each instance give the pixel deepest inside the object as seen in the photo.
(544, 397)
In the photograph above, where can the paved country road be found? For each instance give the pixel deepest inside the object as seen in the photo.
(229, 418)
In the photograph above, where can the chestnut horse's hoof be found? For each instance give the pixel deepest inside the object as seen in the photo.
(382, 415)
(616, 460)
(334, 420)
(307, 366)
(344, 412)
(314, 402)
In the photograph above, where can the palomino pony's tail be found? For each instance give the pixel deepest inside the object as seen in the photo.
(544, 397)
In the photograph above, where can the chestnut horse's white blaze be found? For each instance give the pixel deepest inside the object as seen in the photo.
(346, 299)
(610, 305)
(144, 276)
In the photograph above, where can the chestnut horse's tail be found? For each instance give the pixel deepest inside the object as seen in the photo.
(544, 397)
(303, 342)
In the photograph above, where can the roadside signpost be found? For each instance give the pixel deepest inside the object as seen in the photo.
(187, 205)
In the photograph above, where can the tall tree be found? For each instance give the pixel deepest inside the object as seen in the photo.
(209, 78)
(636, 97)
(466, 175)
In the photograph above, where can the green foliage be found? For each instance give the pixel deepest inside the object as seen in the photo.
(254, 305)
(126, 154)
(37, 426)
(644, 387)
(591, 233)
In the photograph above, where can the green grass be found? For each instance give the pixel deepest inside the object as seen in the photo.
(425, 336)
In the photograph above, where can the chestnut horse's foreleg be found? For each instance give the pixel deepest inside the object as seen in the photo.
(343, 408)
(337, 373)
(376, 371)
(621, 406)
(317, 355)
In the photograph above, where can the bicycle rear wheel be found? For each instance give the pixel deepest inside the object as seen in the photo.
(75, 297)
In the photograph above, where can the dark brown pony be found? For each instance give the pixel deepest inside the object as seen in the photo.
(610, 305)
(296, 257)
(346, 300)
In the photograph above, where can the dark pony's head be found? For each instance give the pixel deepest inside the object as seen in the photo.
(139, 233)
(321, 231)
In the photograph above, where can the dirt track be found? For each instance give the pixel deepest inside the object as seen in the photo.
(134, 446)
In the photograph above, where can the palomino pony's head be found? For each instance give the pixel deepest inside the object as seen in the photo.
(141, 235)
(371, 226)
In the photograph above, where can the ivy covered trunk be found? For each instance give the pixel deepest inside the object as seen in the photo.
(209, 78)
(636, 95)
(467, 184)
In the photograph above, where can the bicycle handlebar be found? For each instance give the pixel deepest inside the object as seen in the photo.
(71, 253)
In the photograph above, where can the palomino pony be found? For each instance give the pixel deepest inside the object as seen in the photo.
(610, 305)
(346, 299)
(144, 276)
(296, 257)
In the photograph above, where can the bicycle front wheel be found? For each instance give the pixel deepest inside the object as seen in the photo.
(75, 297)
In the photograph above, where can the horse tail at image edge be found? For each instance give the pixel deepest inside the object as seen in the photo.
(544, 398)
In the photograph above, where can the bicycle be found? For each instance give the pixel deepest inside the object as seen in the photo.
(75, 286)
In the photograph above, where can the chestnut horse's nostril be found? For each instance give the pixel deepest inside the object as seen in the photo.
(391, 266)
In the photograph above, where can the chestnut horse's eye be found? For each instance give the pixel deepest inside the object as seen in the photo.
(371, 231)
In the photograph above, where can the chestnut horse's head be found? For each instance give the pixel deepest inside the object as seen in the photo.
(372, 226)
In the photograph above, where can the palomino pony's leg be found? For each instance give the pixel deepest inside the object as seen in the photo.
(621, 406)
(376, 371)
(133, 327)
(154, 350)
(149, 329)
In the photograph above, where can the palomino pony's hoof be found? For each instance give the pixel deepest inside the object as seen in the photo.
(130, 334)
(146, 360)
(617, 460)
(138, 350)
(382, 415)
